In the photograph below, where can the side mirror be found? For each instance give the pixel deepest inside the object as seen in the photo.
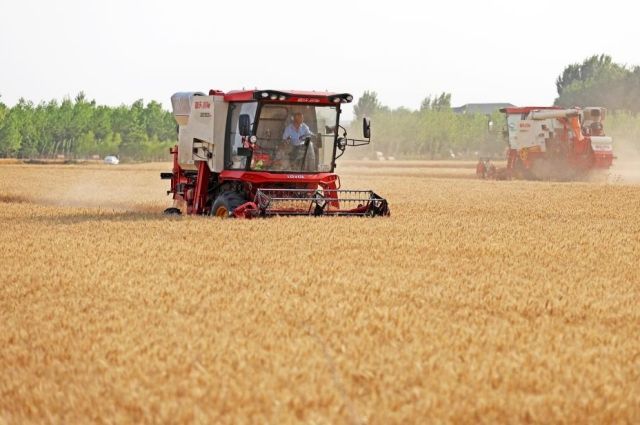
(366, 128)
(244, 125)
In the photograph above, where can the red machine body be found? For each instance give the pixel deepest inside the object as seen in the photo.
(238, 165)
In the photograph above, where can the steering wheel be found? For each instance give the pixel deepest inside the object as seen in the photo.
(309, 136)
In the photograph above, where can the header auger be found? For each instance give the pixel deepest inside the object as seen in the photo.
(260, 153)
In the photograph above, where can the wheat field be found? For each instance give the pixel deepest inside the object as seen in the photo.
(475, 302)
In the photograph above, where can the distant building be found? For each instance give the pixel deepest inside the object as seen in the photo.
(480, 108)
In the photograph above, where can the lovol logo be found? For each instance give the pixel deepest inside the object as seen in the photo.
(201, 105)
(295, 176)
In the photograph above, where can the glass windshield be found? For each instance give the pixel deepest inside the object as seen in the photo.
(294, 138)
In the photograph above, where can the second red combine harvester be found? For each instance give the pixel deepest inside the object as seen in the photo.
(552, 143)
(257, 153)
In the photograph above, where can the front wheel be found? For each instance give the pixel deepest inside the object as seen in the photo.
(172, 211)
(226, 202)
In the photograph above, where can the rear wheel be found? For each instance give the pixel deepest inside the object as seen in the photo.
(224, 205)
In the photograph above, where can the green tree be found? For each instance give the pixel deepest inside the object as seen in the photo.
(3, 111)
(158, 122)
(442, 102)
(425, 105)
(367, 105)
(10, 138)
(592, 68)
(438, 103)
(598, 81)
(86, 144)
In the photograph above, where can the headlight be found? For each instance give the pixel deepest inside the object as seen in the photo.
(253, 139)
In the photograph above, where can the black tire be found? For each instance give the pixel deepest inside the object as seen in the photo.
(224, 205)
(172, 211)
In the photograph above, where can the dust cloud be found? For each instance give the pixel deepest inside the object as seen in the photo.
(123, 188)
(626, 165)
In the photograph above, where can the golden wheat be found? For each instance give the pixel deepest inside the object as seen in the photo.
(474, 302)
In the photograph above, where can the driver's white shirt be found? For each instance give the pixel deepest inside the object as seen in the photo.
(295, 135)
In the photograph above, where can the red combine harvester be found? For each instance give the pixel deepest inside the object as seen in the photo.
(257, 153)
(552, 143)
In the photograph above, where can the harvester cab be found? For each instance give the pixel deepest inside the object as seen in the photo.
(555, 143)
(264, 152)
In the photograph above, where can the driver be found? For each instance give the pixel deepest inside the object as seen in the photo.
(296, 131)
(302, 156)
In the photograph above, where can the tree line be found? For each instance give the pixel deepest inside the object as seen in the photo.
(434, 131)
(79, 128)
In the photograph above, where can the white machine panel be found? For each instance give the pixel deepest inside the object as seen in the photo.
(602, 143)
(196, 138)
(526, 133)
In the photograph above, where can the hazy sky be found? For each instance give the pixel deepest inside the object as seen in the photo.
(480, 51)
